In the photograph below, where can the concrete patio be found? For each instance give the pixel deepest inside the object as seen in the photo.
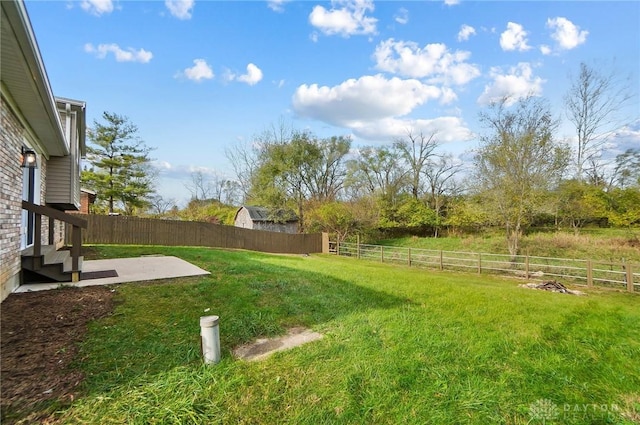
(128, 270)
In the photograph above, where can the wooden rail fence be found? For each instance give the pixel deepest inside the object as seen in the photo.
(125, 230)
(622, 275)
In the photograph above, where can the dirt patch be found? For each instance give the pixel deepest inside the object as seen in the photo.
(40, 332)
(264, 347)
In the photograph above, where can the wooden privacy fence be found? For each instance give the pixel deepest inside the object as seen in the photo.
(603, 273)
(124, 230)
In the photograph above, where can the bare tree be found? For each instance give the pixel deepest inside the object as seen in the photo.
(440, 174)
(244, 161)
(199, 186)
(593, 103)
(160, 205)
(416, 150)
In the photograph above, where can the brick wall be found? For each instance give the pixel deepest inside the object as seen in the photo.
(10, 200)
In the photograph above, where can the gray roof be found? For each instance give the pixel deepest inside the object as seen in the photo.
(263, 214)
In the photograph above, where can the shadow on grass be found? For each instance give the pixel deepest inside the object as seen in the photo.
(155, 327)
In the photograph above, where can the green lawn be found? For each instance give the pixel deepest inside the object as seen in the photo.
(400, 346)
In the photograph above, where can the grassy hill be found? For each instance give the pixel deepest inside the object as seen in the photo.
(615, 245)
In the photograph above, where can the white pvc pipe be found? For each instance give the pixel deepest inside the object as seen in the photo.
(210, 339)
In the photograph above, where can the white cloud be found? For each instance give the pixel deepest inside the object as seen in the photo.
(277, 5)
(365, 100)
(447, 129)
(565, 33)
(514, 38)
(252, 77)
(518, 83)
(451, 2)
(198, 72)
(97, 7)
(345, 18)
(121, 55)
(402, 16)
(465, 32)
(181, 9)
(434, 61)
(545, 50)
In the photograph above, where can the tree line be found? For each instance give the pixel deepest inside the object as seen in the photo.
(522, 175)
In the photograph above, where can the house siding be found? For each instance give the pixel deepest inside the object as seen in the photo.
(10, 200)
(63, 185)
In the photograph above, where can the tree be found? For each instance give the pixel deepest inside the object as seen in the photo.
(199, 186)
(159, 205)
(593, 102)
(333, 217)
(579, 202)
(517, 162)
(379, 171)
(416, 152)
(279, 180)
(440, 175)
(121, 172)
(626, 172)
(325, 178)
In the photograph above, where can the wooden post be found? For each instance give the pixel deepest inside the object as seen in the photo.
(629, 278)
(358, 246)
(337, 247)
(526, 266)
(37, 241)
(325, 243)
(441, 264)
(51, 230)
(409, 257)
(381, 254)
(589, 273)
(75, 248)
(479, 263)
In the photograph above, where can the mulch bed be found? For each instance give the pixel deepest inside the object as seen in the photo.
(40, 332)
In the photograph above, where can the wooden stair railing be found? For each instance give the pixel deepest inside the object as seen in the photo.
(54, 214)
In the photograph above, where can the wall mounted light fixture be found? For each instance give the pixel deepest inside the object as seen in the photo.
(28, 158)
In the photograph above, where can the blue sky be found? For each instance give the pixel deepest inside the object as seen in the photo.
(198, 77)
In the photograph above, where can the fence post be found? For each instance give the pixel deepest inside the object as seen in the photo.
(358, 246)
(526, 266)
(325, 243)
(629, 278)
(589, 273)
(381, 254)
(409, 257)
(338, 247)
(441, 264)
(479, 263)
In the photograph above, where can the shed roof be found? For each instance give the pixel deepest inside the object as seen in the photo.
(266, 215)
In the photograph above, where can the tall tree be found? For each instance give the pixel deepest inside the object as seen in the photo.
(199, 186)
(120, 172)
(379, 172)
(440, 175)
(325, 178)
(593, 103)
(416, 150)
(517, 162)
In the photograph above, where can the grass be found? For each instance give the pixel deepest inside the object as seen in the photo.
(401, 346)
(612, 245)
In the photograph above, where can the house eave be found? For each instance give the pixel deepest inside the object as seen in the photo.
(32, 96)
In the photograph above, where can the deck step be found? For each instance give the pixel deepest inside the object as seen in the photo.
(55, 265)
